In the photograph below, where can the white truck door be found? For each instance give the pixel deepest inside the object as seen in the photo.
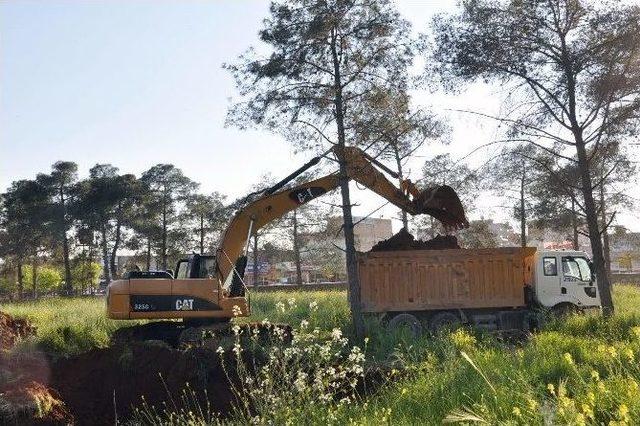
(547, 280)
(577, 285)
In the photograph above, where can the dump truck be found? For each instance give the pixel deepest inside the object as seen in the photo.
(492, 288)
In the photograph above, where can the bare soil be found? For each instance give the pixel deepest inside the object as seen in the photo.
(403, 240)
(12, 330)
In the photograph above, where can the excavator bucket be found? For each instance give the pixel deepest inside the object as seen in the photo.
(443, 203)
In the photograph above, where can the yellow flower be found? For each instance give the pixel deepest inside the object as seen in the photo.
(613, 353)
(628, 353)
(636, 331)
(623, 412)
(516, 412)
(533, 404)
(588, 411)
(551, 388)
(568, 358)
(595, 375)
(591, 397)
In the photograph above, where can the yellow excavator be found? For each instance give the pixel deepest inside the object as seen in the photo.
(210, 289)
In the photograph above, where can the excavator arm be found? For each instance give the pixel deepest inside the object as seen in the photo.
(440, 202)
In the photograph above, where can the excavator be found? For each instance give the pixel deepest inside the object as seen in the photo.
(210, 289)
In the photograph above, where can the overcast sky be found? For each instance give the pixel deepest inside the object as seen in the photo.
(136, 83)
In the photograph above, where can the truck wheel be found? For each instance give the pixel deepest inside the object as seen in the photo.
(564, 309)
(444, 320)
(405, 322)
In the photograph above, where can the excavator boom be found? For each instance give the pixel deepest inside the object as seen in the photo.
(440, 202)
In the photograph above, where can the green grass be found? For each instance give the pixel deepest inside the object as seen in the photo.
(583, 370)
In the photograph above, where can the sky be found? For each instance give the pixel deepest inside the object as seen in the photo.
(136, 83)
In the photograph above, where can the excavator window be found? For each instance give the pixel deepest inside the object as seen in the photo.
(182, 270)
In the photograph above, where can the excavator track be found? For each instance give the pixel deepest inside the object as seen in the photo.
(181, 335)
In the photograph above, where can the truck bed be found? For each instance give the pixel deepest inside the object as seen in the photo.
(420, 280)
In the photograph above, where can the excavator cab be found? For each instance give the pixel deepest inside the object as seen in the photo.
(196, 266)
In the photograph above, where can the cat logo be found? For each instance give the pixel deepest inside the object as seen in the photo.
(184, 305)
(304, 195)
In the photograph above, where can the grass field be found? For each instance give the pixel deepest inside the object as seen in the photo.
(582, 370)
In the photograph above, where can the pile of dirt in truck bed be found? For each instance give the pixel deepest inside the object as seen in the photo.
(403, 240)
(12, 330)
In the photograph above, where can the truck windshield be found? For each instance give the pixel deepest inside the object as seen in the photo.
(576, 267)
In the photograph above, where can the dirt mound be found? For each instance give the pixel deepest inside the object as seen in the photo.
(101, 384)
(33, 404)
(12, 330)
(403, 240)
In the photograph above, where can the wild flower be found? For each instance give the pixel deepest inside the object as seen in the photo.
(220, 350)
(236, 311)
(313, 306)
(568, 358)
(336, 334)
(280, 307)
(551, 389)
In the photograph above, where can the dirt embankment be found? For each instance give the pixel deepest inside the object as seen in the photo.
(403, 240)
(25, 397)
(12, 330)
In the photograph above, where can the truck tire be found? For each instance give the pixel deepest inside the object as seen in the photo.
(407, 322)
(444, 320)
(564, 309)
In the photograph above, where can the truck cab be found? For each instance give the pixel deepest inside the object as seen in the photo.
(564, 280)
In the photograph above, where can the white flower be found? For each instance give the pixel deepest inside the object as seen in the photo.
(304, 324)
(237, 349)
(280, 307)
(313, 306)
(236, 310)
(236, 329)
(336, 334)
(292, 302)
(220, 350)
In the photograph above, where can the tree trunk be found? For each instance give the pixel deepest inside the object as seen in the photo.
(255, 259)
(114, 250)
(523, 214)
(163, 247)
(65, 246)
(201, 234)
(574, 225)
(296, 249)
(604, 285)
(148, 253)
(605, 233)
(20, 280)
(105, 256)
(34, 276)
(349, 239)
(403, 213)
